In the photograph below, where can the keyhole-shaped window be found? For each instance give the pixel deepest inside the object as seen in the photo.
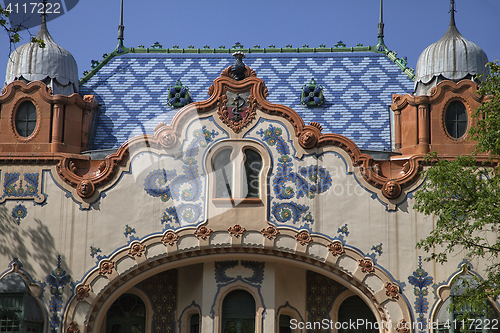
(237, 173)
(26, 119)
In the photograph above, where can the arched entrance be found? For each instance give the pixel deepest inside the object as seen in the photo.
(126, 315)
(238, 312)
(348, 267)
(354, 310)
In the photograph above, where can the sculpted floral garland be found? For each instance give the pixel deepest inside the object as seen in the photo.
(184, 189)
(287, 184)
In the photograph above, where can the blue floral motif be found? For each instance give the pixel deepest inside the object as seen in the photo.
(186, 188)
(187, 212)
(420, 280)
(57, 280)
(129, 231)
(343, 230)
(287, 184)
(377, 249)
(94, 251)
(13, 186)
(19, 212)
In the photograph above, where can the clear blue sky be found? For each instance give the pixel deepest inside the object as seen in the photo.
(90, 28)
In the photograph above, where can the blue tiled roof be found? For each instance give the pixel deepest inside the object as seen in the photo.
(133, 88)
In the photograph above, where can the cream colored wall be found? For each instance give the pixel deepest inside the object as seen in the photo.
(61, 228)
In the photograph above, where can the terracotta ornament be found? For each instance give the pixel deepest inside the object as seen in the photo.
(303, 237)
(392, 290)
(366, 266)
(106, 267)
(391, 189)
(169, 238)
(82, 292)
(236, 230)
(270, 232)
(73, 328)
(336, 248)
(136, 250)
(203, 232)
(85, 189)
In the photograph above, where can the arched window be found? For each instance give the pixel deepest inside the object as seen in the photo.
(19, 311)
(223, 168)
(126, 315)
(238, 313)
(353, 309)
(284, 324)
(26, 119)
(456, 119)
(194, 325)
(253, 166)
(446, 319)
(237, 172)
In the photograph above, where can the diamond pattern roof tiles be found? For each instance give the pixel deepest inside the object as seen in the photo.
(133, 88)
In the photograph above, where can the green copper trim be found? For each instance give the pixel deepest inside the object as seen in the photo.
(120, 50)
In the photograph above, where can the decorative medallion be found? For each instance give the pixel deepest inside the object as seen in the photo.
(366, 266)
(169, 238)
(236, 110)
(19, 212)
(391, 189)
(312, 94)
(178, 95)
(236, 230)
(203, 232)
(168, 140)
(303, 237)
(270, 232)
(392, 290)
(336, 248)
(82, 292)
(85, 189)
(308, 139)
(106, 267)
(136, 249)
(73, 328)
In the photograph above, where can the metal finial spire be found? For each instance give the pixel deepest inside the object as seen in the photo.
(381, 44)
(44, 13)
(121, 27)
(452, 11)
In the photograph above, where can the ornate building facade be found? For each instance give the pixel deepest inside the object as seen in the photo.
(132, 201)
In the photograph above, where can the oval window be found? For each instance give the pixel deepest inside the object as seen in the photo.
(26, 119)
(456, 119)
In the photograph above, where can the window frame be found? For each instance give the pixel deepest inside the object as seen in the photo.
(237, 158)
(447, 109)
(13, 122)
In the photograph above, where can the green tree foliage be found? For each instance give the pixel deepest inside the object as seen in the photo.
(13, 32)
(464, 196)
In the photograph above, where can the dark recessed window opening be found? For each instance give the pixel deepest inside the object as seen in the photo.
(26, 119)
(253, 166)
(456, 119)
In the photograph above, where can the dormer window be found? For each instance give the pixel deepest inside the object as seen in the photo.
(456, 119)
(26, 119)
